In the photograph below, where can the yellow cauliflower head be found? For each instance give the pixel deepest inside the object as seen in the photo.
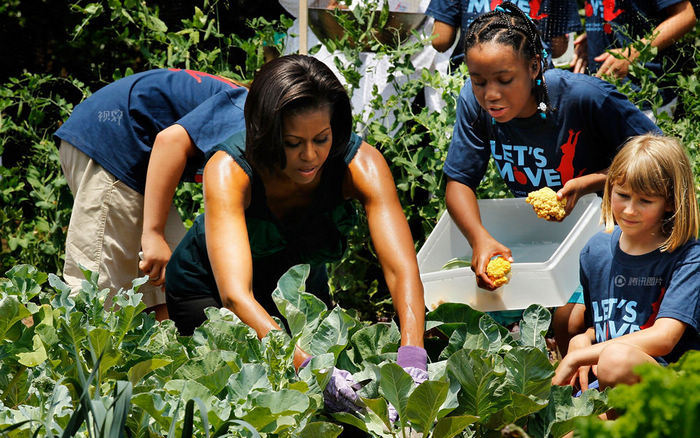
(544, 202)
(498, 271)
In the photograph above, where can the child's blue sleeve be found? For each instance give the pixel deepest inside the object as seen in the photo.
(469, 152)
(447, 11)
(682, 298)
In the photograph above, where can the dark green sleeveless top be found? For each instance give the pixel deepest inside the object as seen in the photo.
(317, 235)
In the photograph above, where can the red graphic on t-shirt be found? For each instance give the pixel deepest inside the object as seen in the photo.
(568, 149)
(654, 310)
(535, 10)
(609, 12)
(197, 75)
(520, 177)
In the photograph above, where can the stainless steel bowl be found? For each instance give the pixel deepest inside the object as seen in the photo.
(323, 20)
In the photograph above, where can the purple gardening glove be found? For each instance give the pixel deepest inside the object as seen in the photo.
(413, 360)
(339, 395)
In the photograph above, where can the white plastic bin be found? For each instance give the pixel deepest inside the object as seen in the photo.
(545, 266)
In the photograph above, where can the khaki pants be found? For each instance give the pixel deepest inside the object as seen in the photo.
(104, 234)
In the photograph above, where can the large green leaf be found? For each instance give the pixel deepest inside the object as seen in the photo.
(534, 327)
(252, 377)
(143, 368)
(372, 341)
(320, 429)
(529, 372)
(46, 327)
(102, 347)
(24, 281)
(34, 357)
(424, 404)
(187, 389)
(283, 402)
(332, 335)
(303, 311)
(486, 335)
(519, 407)
(11, 312)
(208, 369)
(348, 418)
(450, 426)
(559, 416)
(482, 378)
(395, 385)
(153, 403)
(380, 408)
(129, 317)
(225, 331)
(449, 316)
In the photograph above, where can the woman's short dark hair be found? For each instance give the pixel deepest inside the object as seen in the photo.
(288, 85)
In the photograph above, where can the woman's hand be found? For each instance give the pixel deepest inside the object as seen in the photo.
(482, 252)
(156, 254)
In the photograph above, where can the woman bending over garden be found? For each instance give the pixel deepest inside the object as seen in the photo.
(544, 128)
(641, 277)
(279, 194)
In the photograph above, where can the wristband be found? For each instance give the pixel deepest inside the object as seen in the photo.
(412, 356)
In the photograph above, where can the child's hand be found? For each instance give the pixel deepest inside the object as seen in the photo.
(156, 254)
(613, 66)
(482, 254)
(579, 62)
(566, 372)
(580, 378)
(571, 191)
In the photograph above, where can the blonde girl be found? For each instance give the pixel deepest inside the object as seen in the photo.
(640, 278)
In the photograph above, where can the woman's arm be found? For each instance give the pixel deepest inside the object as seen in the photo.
(369, 180)
(171, 150)
(464, 210)
(227, 192)
(657, 340)
(680, 19)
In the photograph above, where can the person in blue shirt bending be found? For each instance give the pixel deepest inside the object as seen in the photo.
(123, 151)
(641, 277)
(542, 127)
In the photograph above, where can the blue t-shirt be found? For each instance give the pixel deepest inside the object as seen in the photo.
(615, 24)
(554, 17)
(625, 293)
(117, 125)
(590, 121)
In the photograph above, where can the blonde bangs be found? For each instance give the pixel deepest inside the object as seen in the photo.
(657, 166)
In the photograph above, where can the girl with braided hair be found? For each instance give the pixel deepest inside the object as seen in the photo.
(543, 128)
